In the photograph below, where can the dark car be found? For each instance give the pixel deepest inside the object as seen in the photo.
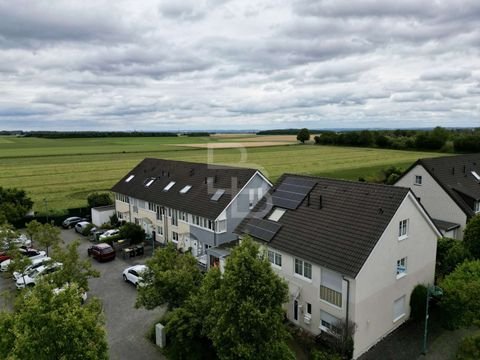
(101, 252)
(70, 222)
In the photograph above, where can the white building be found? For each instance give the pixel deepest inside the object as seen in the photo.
(348, 250)
(449, 189)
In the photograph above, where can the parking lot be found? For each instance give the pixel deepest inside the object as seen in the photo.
(126, 326)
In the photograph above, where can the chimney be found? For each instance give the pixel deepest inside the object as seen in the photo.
(320, 204)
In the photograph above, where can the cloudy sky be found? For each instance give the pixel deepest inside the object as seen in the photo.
(246, 64)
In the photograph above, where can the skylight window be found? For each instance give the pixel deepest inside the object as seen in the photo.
(185, 189)
(169, 186)
(476, 176)
(218, 194)
(130, 178)
(276, 214)
(150, 182)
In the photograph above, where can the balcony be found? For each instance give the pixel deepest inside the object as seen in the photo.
(331, 296)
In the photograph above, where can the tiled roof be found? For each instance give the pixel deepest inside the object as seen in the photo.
(445, 225)
(204, 180)
(454, 175)
(337, 225)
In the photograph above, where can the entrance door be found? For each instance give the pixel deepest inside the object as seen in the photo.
(295, 310)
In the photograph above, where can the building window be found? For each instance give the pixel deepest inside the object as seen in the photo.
(418, 180)
(476, 207)
(329, 323)
(159, 213)
(251, 198)
(403, 229)
(401, 267)
(309, 308)
(276, 214)
(399, 308)
(275, 258)
(210, 224)
(183, 216)
(303, 268)
(175, 217)
(174, 237)
(152, 206)
(331, 287)
(221, 226)
(169, 186)
(160, 230)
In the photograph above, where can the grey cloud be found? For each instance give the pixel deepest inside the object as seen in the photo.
(446, 75)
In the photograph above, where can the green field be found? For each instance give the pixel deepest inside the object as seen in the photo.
(65, 171)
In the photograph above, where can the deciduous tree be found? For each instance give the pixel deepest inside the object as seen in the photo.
(170, 279)
(14, 204)
(303, 135)
(471, 237)
(46, 235)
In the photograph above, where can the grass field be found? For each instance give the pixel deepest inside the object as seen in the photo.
(65, 171)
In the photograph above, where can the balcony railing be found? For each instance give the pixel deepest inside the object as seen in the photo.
(331, 296)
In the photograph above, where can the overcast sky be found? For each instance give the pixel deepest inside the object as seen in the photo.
(247, 64)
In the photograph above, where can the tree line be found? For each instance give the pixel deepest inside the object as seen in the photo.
(100, 134)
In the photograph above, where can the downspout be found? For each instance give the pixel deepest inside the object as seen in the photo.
(347, 307)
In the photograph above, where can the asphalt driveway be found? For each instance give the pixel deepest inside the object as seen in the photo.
(126, 326)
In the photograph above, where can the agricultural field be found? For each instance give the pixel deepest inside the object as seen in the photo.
(65, 171)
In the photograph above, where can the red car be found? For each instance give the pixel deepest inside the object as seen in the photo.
(101, 252)
(3, 256)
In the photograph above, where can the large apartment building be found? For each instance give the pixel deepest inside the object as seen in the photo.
(196, 206)
(350, 251)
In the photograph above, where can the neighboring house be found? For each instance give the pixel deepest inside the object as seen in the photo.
(197, 206)
(449, 189)
(348, 250)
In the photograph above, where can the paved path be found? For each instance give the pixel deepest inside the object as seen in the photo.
(445, 346)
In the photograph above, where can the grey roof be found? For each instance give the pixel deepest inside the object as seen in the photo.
(445, 225)
(204, 180)
(342, 232)
(454, 175)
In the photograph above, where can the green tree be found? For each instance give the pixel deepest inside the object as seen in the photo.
(132, 232)
(46, 235)
(460, 303)
(7, 235)
(450, 253)
(74, 270)
(247, 310)
(47, 325)
(14, 204)
(471, 236)
(303, 135)
(33, 228)
(99, 199)
(170, 279)
(418, 302)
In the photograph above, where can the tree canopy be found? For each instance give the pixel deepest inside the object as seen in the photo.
(170, 279)
(47, 325)
(46, 235)
(471, 236)
(99, 199)
(303, 135)
(14, 204)
(133, 232)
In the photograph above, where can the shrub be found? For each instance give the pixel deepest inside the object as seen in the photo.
(469, 348)
(418, 302)
(133, 232)
(87, 229)
(472, 236)
(323, 355)
(450, 253)
(99, 199)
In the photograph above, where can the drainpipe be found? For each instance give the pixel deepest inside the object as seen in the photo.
(347, 306)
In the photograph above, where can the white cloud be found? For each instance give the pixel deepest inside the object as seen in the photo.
(210, 64)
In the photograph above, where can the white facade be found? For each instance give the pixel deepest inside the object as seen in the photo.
(101, 215)
(378, 296)
(435, 200)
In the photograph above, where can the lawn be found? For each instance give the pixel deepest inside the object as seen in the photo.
(65, 171)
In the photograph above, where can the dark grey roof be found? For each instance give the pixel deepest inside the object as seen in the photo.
(445, 225)
(204, 179)
(342, 232)
(454, 175)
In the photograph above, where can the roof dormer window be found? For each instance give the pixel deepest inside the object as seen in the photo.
(129, 178)
(169, 186)
(185, 189)
(150, 182)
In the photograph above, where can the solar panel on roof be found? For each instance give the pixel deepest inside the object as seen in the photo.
(262, 229)
(291, 192)
(218, 194)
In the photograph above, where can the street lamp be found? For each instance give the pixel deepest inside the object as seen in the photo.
(431, 291)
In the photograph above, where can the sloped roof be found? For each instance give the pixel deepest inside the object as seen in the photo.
(445, 225)
(454, 175)
(342, 232)
(204, 180)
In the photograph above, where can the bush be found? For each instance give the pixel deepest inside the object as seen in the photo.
(472, 236)
(323, 355)
(87, 229)
(450, 253)
(418, 302)
(469, 348)
(99, 199)
(132, 232)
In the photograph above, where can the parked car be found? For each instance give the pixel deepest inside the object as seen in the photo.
(101, 252)
(4, 255)
(31, 253)
(109, 233)
(81, 226)
(33, 275)
(35, 264)
(95, 233)
(70, 222)
(133, 274)
(22, 240)
(81, 293)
